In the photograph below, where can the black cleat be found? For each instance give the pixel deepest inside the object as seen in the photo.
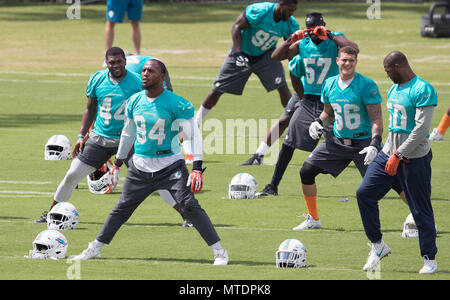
(256, 159)
(187, 223)
(42, 219)
(269, 190)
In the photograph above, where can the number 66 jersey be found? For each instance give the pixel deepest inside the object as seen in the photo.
(111, 99)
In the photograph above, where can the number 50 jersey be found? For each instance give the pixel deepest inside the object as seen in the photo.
(111, 100)
(158, 122)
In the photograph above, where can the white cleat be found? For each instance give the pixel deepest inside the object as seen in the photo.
(309, 223)
(429, 266)
(91, 252)
(221, 258)
(378, 251)
(436, 136)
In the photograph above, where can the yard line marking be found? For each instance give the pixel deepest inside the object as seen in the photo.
(25, 182)
(26, 193)
(7, 72)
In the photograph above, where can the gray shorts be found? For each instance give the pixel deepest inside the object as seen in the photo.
(95, 155)
(306, 111)
(333, 156)
(292, 105)
(139, 185)
(232, 79)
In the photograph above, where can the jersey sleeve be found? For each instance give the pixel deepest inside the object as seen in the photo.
(293, 27)
(183, 109)
(296, 66)
(324, 92)
(255, 13)
(92, 83)
(130, 106)
(371, 93)
(426, 96)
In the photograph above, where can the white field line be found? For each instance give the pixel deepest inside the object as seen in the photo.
(25, 182)
(195, 78)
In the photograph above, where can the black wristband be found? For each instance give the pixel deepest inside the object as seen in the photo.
(330, 35)
(376, 142)
(319, 121)
(197, 165)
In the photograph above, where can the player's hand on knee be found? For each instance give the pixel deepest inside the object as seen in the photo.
(195, 180)
(114, 173)
(315, 130)
(370, 152)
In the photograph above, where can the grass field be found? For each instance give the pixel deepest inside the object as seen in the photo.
(46, 60)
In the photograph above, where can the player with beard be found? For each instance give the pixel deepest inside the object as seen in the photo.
(154, 118)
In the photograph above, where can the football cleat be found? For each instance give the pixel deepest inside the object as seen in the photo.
(43, 218)
(377, 252)
(187, 223)
(221, 258)
(91, 252)
(309, 223)
(429, 266)
(269, 190)
(256, 159)
(436, 136)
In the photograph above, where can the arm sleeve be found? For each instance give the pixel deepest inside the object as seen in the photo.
(423, 118)
(192, 133)
(126, 139)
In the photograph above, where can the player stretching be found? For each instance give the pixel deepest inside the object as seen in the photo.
(154, 117)
(405, 159)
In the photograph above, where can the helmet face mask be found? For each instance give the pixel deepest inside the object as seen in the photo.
(99, 181)
(62, 216)
(58, 147)
(49, 244)
(291, 254)
(409, 228)
(242, 186)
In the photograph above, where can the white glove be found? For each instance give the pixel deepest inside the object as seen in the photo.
(114, 176)
(371, 152)
(241, 61)
(315, 130)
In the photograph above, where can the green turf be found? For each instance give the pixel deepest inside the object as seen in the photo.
(44, 67)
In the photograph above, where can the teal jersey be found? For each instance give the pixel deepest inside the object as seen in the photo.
(263, 33)
(315, 63)
(351, 120)
(403, 101)
(135, 63)
(158, 122)
(111, 100)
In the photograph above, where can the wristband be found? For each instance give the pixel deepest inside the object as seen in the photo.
(376, 142)
(401, 157)
(319, 121)
(330, 35)
(80, 137)
(197, 165)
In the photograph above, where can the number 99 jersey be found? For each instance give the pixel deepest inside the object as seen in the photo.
(111, 100)
(263, 32)
(158, 123)
(402, 103)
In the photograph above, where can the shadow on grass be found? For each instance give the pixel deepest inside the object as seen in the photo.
(30, 120)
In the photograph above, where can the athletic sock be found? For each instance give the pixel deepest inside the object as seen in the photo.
(311, 204)
(444, 124)
(262, 149)
(217, 248)
(201, 114)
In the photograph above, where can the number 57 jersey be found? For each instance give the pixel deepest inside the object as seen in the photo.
(111, 99)
(158, 122)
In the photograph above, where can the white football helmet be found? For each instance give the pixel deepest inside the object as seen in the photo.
(410, 229)
(58, 147)
(291, 254)
(63, 216)
(242, 186)
(99, 181)
(49, 244)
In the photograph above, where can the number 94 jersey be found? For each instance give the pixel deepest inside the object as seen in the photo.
(158, 122)
(403, 101)
(263, 32)
(111, 100)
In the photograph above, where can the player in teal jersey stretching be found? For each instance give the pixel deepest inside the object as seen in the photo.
(154, 118)
(255, 35)
(405, 159)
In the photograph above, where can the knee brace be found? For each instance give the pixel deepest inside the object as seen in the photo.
(308, 173)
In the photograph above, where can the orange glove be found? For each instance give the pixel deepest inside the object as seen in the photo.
(321, 32)
(393, 162)
(196, 180)
(299, 35)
